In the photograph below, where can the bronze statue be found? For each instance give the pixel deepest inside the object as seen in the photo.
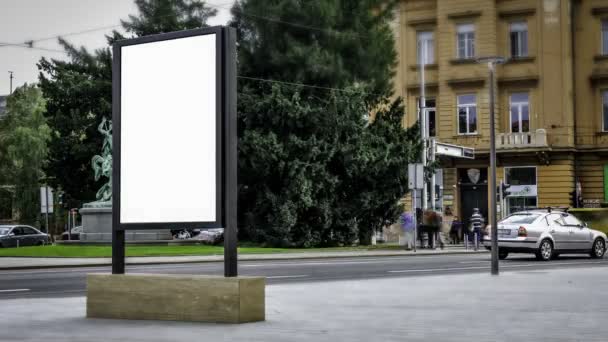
(102, 165)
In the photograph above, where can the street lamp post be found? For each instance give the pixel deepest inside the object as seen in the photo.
(491, 62)
(10, 77)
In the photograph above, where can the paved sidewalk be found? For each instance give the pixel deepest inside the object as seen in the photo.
(557, 306)
(29, 262)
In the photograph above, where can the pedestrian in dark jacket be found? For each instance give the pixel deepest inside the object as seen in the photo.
(456, 230)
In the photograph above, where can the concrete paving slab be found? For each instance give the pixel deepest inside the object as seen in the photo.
(557, 305)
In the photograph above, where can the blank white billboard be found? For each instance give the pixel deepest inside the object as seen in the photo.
(168, 131)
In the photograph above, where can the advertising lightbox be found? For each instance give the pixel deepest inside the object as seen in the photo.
(168, 138)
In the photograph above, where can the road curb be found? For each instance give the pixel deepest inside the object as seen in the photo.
(244, 257)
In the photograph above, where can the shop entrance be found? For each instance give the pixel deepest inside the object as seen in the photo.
(473, 185)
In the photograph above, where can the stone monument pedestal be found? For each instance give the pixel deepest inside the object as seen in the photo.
(97, 227)
(168, 297)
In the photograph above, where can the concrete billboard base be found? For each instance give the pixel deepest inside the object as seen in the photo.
(194, 298)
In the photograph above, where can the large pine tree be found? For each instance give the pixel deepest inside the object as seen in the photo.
(79, 92)
(313, 170)
(330, 43)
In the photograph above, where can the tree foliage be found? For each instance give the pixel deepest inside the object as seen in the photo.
(158, 16)
(316, 172)
(79, 92)
(313, 169)
(24, 135)
(331, 43)
(379, 169)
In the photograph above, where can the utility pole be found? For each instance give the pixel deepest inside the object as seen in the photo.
(492, 61)
(10, 77)
(46, 209)
(501, 198)
(433, 175)
(422, 120)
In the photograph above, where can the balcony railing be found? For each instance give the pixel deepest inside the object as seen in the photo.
(522, 140)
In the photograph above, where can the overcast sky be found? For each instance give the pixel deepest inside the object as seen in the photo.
(23, 20)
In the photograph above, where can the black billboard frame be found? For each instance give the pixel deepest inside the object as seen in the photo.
(226, 144)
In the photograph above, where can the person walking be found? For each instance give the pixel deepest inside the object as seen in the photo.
(408, 226)
(455, 230)
(477, 224)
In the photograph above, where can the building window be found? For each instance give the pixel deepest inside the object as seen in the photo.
(605, 110)
(520, 112)
(523, 188)
(465, 41)
(467, 114)
(430, 114)
(519, 39)
(605, 37)
(426, 47)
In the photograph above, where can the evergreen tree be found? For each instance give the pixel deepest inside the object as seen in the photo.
(24, 135)
(313, 170)
(79, 93)
(330, 43)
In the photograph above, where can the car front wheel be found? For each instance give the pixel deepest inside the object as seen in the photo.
(598, 249)
(545, 251)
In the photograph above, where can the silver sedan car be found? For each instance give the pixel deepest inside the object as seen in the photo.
(21, 236)
(547, 234)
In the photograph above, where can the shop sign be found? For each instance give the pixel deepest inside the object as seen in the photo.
(591, 203)
(523, 191)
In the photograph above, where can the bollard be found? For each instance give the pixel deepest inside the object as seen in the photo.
(476, 241)
(466, 241)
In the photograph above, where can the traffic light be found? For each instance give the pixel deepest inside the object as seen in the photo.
(505, 189)
(573, 199)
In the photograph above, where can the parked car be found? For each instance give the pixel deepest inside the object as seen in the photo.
(74, 234)
(184, 234)
(547, 234)
(211, 236)
(20, 236)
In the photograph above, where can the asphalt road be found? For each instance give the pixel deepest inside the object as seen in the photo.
(65, 282)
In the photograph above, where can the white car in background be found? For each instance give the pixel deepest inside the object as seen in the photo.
(547, 234)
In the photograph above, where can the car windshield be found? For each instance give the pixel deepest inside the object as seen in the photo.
(4, 231)
(523, 218)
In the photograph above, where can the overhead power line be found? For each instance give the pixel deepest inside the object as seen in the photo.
(74, 33)
(227, 6)
(295, 84)
(27, 46)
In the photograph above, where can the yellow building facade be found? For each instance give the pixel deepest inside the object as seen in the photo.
(551, 96)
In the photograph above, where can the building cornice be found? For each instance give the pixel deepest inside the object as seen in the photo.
(426, 66)
(599, 11)
(598, 77)
(464, 15)
(599, 58)
(525, 12)
(415, 86)
(471, 81)
(459, 61)
(591, 149)
(518, 60)
(422, 22)
(528, 79)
